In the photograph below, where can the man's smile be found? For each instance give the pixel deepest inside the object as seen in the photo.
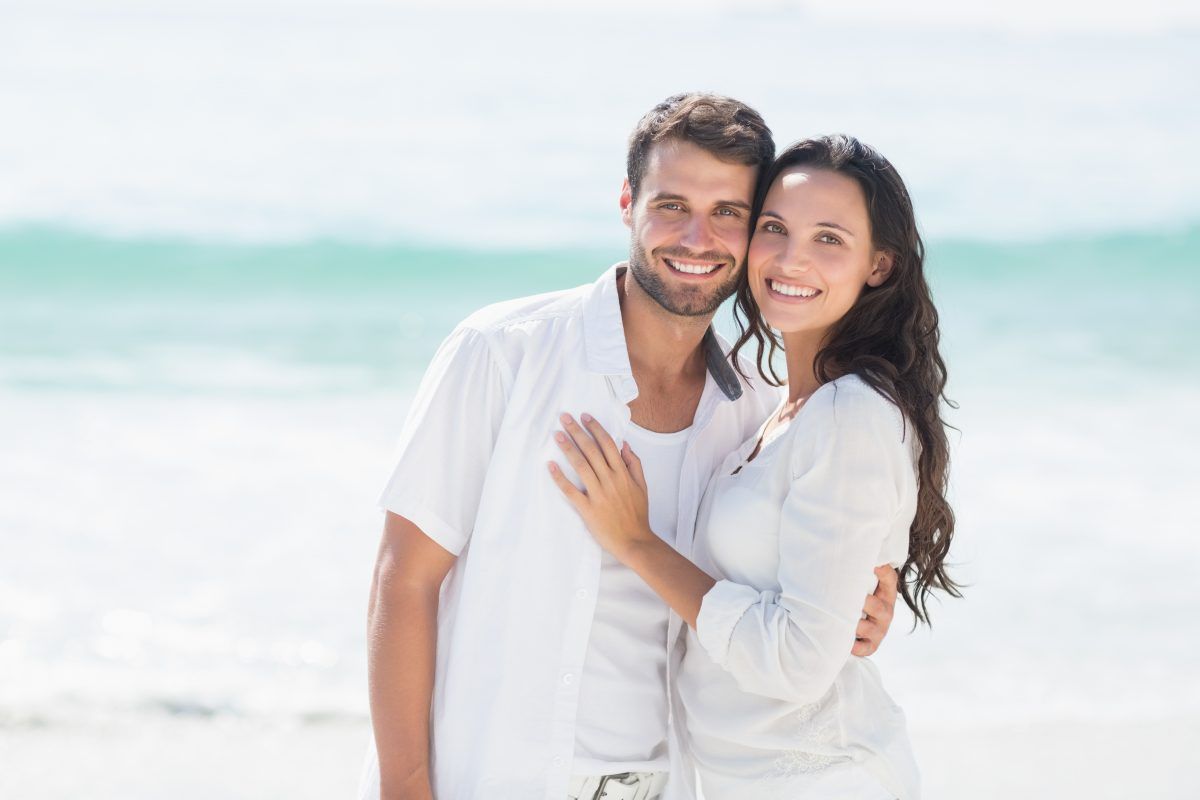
(696, 269)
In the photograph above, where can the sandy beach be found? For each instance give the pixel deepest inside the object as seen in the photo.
(191, 759)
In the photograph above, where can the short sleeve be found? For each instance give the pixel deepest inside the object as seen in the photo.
(447, 440)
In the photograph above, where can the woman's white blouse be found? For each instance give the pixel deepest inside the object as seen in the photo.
(775, 703)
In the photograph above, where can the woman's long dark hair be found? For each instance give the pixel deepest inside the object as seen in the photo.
(889, 338)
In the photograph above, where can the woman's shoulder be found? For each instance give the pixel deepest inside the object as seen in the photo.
(850, 402)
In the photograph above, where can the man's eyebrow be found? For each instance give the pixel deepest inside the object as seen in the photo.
(661, 196)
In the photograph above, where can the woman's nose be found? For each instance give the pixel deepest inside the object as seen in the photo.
(796, 259)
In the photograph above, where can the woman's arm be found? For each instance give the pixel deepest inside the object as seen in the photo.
(616, 508)
(852, 487)
(614, 505)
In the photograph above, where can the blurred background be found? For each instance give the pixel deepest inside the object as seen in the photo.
(232, 234)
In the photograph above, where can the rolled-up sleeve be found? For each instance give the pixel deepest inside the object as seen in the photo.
(447, 440)
(852, 476)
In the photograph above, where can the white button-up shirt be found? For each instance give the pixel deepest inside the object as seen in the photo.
(516, 608)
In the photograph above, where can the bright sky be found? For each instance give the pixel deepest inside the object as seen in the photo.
(1034, 16)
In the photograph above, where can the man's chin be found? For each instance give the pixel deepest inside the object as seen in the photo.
(691, 303)
(684, 298)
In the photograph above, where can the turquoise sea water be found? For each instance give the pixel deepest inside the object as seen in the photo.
(77, 306)
(194, 433)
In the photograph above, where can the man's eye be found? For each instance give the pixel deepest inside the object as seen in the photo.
(727, 212)
(672, 206)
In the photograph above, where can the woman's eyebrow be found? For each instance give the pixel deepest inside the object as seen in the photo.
(766, 212)
(835, 226)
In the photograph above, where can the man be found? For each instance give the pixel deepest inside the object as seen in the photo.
(510, 657)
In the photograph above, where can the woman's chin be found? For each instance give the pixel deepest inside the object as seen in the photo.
(786, 322)
(786, 317)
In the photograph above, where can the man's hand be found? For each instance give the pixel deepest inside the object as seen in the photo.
(877, 613)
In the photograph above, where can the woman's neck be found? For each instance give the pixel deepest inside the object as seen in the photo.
(801, 349)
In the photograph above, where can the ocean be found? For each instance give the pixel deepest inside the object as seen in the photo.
(230, 239)
(195, 434)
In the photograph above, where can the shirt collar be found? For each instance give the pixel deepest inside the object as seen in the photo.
(604, 337)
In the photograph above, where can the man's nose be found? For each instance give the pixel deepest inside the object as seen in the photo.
(698, 234)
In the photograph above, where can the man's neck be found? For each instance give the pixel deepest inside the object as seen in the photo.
(663, 347)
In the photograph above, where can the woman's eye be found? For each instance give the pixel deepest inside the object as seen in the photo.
(829, 238)
(773, 227)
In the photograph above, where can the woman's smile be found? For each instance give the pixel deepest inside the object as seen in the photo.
(786, 292)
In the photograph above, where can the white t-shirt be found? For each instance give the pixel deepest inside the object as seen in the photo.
(622, 721)
(774, 700)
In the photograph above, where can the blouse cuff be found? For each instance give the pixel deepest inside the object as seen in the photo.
(720, 611)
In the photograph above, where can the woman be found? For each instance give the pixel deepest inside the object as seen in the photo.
(850, 472)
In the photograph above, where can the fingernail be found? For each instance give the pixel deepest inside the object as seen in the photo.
(587, 417)
(552, 466)
(564, 418)
(560, 436)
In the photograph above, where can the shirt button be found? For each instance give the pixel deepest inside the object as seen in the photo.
(568, 679)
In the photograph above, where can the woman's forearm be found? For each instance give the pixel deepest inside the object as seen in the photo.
(676, 579)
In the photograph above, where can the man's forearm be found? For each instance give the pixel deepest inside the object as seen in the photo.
(402, 638)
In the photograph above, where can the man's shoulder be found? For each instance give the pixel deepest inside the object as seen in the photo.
(497, 320)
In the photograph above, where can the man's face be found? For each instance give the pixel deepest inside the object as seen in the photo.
(689, 227)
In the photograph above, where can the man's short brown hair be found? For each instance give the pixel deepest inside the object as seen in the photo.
(730, 130)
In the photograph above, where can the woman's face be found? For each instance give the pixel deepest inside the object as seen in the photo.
(811, 254)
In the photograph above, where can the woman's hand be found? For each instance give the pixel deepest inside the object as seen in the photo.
(614, 503)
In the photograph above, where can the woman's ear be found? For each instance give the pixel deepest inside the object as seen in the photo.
(882, 270)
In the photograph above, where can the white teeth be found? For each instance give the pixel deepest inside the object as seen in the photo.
(792, 291)
(693, 269)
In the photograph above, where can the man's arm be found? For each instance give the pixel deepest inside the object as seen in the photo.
(401, 642)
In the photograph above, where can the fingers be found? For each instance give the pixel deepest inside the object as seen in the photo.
(570, 490)
(877, 615)
(878, 610)
(864, 647)
(586, 444)
(869, 627)
(577, 460)
(606, 443)
(869, 632)
(889, 581)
